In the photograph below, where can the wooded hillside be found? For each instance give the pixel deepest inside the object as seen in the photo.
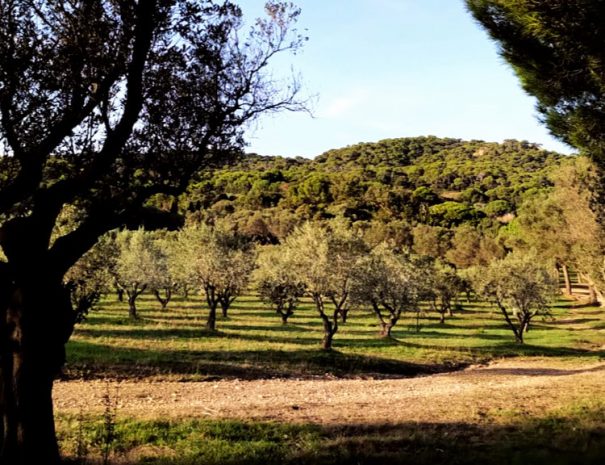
(424, 180)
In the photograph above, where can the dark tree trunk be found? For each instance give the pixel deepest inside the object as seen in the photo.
(330, 326)
(341, 306)
(120, 294)
(212, 301)
(517, 330)
(285, 311)
(211, 322)
(132, 306)
(442, 317)
(36, 323)
(164, 301)
(225, 299)
(519, 333)
(133, 294)
(385, 331)
(326, 343)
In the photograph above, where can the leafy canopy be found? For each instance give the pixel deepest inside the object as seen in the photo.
(556, 49)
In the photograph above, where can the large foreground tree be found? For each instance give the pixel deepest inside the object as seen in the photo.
(556, 49)
(104, 103)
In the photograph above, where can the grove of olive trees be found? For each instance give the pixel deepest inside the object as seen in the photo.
(328, 262)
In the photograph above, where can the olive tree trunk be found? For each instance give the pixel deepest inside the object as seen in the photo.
(517, 330)
(133, 293)
(285, 314)
(386, 322)
(385, 330)
(37, 320)
(330, 324)
(165, 299)
(226, 298)
(211, 321)
(212, 301)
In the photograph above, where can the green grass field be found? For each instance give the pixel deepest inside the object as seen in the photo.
(572, 436)
(252, 342)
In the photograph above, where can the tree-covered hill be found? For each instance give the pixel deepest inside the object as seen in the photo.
(423, 180)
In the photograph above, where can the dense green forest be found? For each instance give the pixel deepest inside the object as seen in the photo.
(440, 183)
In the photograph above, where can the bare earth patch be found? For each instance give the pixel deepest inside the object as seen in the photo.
(525, 386)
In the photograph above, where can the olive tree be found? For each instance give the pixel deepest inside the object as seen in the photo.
(520, 286)
(445, 287)
(277, 281)
(103, 104)
(163, 280)
(88, 279)
(346, 247)
(390, 284)
(136, 265)
(220, 265)
(324, 260)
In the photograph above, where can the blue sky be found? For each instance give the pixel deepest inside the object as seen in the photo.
(396, 68)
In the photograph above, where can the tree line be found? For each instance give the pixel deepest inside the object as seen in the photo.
(423, 180)
(330, 263)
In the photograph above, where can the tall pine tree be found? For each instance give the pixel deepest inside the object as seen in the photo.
(557, 49)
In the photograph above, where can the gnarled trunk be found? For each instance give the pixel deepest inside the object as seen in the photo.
(212, 301)
(326, 343)
(132, 307)
(36, 322)
(285, 310)
(133, 293)
(211, 322)
(330, 325)
(163, 300)
(386, 328)
(226, 298)
(225, 309)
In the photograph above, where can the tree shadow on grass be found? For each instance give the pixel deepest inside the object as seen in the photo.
(539, 442)
(536, 441)
(152, 333)
(511, 349)
(537, 371)
(91, 360)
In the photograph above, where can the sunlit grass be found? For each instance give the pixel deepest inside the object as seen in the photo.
(252, 342)
(571, 435)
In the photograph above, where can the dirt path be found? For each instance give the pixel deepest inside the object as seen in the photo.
(526, 386)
